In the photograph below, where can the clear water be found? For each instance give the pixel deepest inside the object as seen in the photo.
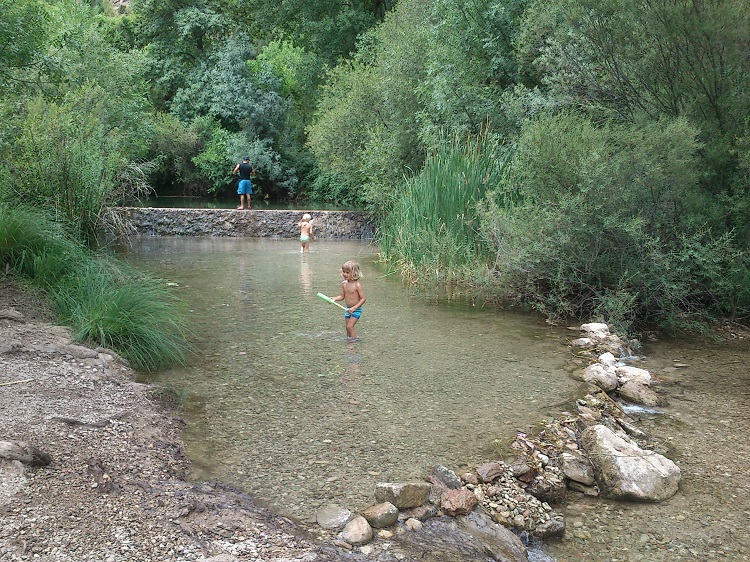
(280, 404)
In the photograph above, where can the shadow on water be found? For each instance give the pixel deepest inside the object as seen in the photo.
(280, 404)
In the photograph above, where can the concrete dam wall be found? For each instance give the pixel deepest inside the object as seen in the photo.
(238, 223)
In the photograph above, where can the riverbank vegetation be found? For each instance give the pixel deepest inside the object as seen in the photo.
(579, 158)
(104, 301)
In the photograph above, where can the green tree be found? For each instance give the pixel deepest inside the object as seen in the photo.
(23, 41)
(366, 132)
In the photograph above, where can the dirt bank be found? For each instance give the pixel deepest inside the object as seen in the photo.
(114, 489)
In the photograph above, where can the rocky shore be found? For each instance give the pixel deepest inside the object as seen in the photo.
(91, 468)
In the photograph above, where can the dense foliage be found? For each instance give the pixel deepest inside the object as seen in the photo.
(584, 158)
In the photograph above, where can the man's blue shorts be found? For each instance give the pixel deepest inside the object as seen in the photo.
(356, 313)
(245, 187)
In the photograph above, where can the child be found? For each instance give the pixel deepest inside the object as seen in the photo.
(353, 294)
(306, 232)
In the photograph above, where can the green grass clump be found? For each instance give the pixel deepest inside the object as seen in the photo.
(105, 302)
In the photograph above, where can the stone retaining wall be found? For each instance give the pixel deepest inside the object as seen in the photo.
(236, 223)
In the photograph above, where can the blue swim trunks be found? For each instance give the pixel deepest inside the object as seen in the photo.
(356, 313)
(245, 187)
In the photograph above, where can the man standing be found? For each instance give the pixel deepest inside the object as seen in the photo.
(245, 188)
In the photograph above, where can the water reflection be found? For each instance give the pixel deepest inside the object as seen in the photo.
(288, 409)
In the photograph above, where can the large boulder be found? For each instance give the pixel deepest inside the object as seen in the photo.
(625, 471)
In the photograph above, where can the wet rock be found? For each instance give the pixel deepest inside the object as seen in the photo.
(501, 543)
(357, 532)
(458, 502)
(638, 393)
(381, 515)
(445, 539)
(444, 478)
(413, 524)
(554, 528)
(332, 516)
(402, 495)
(625, 471)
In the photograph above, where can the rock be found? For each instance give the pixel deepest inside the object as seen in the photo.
(625, 471)
(595, 330)
(520, 467)
(422, 512)
(458, 502)
(381, 515)
(638, 393)
(11, 314)
(627, 373)
(554, 528)
(414, 524)
(590, 491)
(402, 495)
(500, 542)
(600, 375)
(444, 478)
(357, 532)
(491, 471)
(332, 516)
(576, 467)
(220, 558)
(607, 359)
(582, 343)
(548, 487)
(23, 452)
(470, 478)
(79, 352)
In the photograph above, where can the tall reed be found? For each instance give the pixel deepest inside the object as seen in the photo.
(431, 231)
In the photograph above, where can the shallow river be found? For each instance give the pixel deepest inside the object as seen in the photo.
(280, 404)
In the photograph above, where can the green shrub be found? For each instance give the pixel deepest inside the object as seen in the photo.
(608, 222)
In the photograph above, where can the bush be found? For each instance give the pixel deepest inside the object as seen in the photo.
(608, 222)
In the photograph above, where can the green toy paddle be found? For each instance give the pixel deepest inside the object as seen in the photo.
(328, 299)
